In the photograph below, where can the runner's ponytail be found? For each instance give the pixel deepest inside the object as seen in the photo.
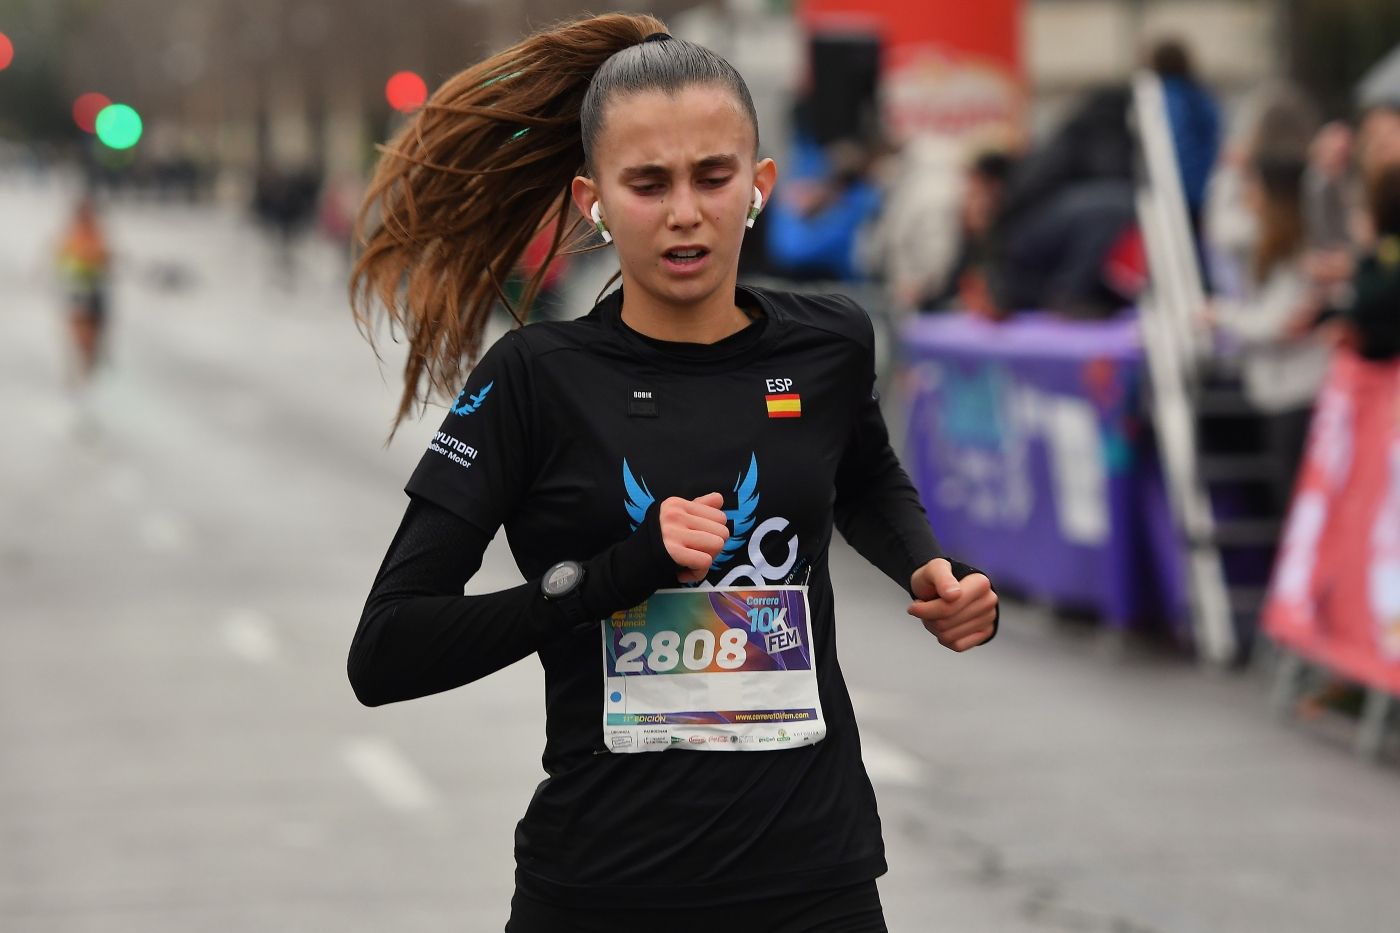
(465, 186)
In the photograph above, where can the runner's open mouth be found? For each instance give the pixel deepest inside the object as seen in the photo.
(687, 254)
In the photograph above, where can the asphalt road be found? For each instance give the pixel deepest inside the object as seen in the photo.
(183, 557)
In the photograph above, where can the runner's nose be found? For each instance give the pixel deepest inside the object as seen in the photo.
(684, 209)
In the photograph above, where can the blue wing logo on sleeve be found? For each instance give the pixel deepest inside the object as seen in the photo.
(465, 405)
(639, 497)
(639, 500)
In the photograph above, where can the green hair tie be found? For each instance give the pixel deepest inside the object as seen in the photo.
(513, 74)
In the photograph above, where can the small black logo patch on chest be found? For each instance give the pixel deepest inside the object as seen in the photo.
(641, 403)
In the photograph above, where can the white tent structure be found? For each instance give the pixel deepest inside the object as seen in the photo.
(1381, 85)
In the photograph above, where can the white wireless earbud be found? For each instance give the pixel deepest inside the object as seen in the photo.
(598, 223)
(756, 208)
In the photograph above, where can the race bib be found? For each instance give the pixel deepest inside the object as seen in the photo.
(724, 669)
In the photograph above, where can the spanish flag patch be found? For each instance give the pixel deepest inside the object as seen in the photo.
(784, 406)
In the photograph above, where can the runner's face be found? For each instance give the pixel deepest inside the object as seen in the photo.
(675, 175)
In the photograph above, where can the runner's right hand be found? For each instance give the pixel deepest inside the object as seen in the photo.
(694, 532)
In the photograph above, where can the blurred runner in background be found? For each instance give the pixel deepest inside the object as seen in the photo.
(83, 262)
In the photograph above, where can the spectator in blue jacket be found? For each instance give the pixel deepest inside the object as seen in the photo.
(815, 224)
(1194, 117)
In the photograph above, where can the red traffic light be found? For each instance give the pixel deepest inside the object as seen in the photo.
(406, 92)
(86, 108)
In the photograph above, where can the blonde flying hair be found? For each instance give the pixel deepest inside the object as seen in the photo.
(487, 163)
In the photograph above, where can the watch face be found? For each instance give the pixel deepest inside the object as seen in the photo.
(560, 579)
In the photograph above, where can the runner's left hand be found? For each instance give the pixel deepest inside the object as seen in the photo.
(960, 614)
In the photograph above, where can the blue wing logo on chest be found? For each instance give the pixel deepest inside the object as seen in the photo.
(639, 499)
(742, 516)
(466, 405)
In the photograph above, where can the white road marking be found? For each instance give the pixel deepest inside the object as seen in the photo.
(248, 634)
(888, 764)
(391, 776)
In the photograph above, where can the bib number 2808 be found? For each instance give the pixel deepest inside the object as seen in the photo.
(699, 650)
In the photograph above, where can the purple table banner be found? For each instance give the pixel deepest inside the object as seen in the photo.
(1029, 447)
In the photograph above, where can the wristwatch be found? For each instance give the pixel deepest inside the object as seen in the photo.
(562, 584)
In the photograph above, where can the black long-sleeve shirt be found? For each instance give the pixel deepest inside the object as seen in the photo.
(568, 434)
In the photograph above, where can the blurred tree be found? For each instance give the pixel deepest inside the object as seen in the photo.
(34, 105)
(249, 82)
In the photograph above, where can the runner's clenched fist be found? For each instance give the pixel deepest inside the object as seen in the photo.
(694, 531)
(961, 614)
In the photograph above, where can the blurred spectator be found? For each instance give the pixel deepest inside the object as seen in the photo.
(176, 177)
(916, 240)
(336, 217)
(1066, 210)
(813, 227)
(1058, 257)
(1278, 123)
(1093, 143)
(1378, 145)
(983, 189)
(1285, 125)
(1329, 213)
(1283, 359)
(83, 264)
(1373, 317)
(1194, 119)
(1327, 203)
(285, 201)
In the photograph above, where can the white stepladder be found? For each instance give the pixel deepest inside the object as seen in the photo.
(1174, 348)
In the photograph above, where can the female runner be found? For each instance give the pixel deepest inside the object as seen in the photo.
(668, 470)
(83, 262)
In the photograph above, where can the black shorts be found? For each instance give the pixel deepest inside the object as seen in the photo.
(88, 306)
(852, 909)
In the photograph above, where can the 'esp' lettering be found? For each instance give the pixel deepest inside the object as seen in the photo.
(779, 385)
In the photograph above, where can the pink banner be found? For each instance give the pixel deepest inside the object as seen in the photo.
(1335, 594)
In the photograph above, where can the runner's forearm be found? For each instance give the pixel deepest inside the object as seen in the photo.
(877, 509)
(887, 525)
(419, 635)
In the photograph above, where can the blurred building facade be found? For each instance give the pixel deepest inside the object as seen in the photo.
(247, 83)
(1073, 45)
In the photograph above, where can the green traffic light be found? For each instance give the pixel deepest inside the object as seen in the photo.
(118, 126)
